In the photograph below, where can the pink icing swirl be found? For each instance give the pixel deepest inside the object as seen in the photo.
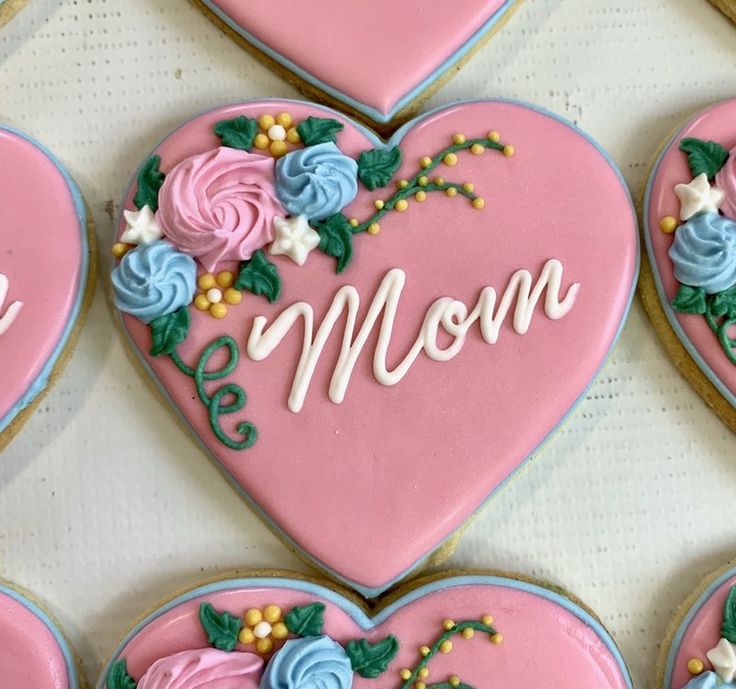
(204, 668)
(726, 180)
(219, 205)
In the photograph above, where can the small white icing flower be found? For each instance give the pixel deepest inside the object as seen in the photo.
(698, 196)
(294, 238)
(723, 660)
(142, 227)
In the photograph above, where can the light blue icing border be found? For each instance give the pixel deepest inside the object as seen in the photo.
(682, 629)
(366, 622)
(666, 306)
(368, 111)
(367, 591)
(41, 381)
(58, 636)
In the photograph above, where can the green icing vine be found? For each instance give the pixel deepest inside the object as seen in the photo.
(215, 404)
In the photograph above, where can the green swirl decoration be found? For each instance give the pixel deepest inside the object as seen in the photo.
(721, 330)
(216, 403)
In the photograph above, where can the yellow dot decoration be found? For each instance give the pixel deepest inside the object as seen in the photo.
(201, 302)
(278, 148)
(401, 205)
(402, 183)
(246, 636)
(448, 624)
(423, 181)
(451, 192)
(119, 249)
(468, 633)
(353, 222)
(264, 645)
(496, 639)
(284, 119)
(469, 186)
(425, 650)
(426, 161)
(477, 149)
(478, 203)
(420, 685)
(272, 613)
(279, 631)
(374, 228)
(421, 196)
(450, 159)
(458, 139)
(218, 310)
(487, 620)
(225, 279)
(261, 141)
(292, 135)
(206, 281)
(446, 646)
(254, 615)
(424, 672)
(439, 181)
(495, 137)
(668, 224)
(405, 673)
(379, 204)
(509, 150)
(453, 681)
(695, 666)
(266, 121)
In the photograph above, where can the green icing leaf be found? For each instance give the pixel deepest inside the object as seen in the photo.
(370, 660)
(222, 628)
(724, 303)
(169, 331)
(260, 276)
(118, 677)
(319, 130)
(336, 239)
(689, 300)
(704, 156)
(728, 628)
(306, 620)
(150, 179)
(237, 133)
(376, 168)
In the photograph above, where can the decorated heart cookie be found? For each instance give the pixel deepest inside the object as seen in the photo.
(338, 52)
(8, 8)
(728, 7)
(700, 649)
(281, 632)
(690, 232)
(33, 652)
(370, 338)
(45, 274)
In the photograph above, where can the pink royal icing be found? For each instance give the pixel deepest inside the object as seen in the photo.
(714, 124)
(30, 655)
(366, 477)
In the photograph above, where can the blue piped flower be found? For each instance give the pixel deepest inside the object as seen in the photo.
(707, 680)
(309, 663)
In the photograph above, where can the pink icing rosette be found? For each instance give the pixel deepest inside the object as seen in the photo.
(219, 205)
(726, 180)
(204, 668)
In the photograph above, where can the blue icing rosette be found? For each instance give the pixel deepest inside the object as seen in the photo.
(309, 663)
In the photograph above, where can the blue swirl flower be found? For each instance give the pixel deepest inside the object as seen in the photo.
(154, 280)
(310, 663)
(316, 181)
(704, 252)
(707, 680)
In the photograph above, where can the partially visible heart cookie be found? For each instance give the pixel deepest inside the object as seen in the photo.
(370, 338)
(8, 8)
(689, 226)
(45, 274)
(377, 59)
(728, 7)
(283, 632)
(33, 651)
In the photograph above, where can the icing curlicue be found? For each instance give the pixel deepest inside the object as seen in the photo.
(452, 315)
(11, 313)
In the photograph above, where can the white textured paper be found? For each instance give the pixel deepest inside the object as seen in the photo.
(106, 507)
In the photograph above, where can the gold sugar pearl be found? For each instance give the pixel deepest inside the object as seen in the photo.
(509, 150)
(279, 631)
(487, 620)
(265, 122)
(218, 310)
(479, 203)
(439, 181)
(292, 135)
(468, 633)
(423, 673)
(353, 222)
(423, 181)
(405, 673)
(496, 639)
(420, 685)
(284, 119)
(425, 161)
(451, 192)
(246, 636)
(119, 249)
(458, 139)
(695, 666)
(448, 624)
(272, 613)
(261, 141)
(206, 281)
(379, 204)
(453, 681)
(421, 196)
(446, 646)
(469, 186)
(425, 650)
(232, 296)
(450, 159)
(264, 645)
(201, 302)
(278, 148)
(402, 183)
(253, 617)
(495, 137)
(401, 205)
(477, 149)
(668, 224)
(225, 279)
(374, 228)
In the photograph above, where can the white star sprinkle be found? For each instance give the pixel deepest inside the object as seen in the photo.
(698, 196)
(723, 660)
(294, 238)
(142, 227)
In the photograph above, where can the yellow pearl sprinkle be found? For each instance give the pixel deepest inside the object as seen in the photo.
(246, 636)
(292, 135)
(278, 148)
(458, 139)
(426, 161)
(261, 142)
(487, 620)
(439, 181)
(450, 159)
(379, 204)
(496, 639)
(469, 186)
(695, 666)
(264, 645)
(253, 617)
(218, 310)
(420, 685)
(272, 613)
(279, 631)
(284, 119)
(201, 302)
(354, 222)
(265, 122)
(423, 181)
(453, 680)
(468, 633)
(421, 196)
(206, 281)
(446, 646)
(451, 192)
(401, 205)
(477, 149)
(508, 150)
(402, 183)
(405, 673)
(232, 296)
(494, 136)
(668, 224)
(374, 228)
(479, 203)
(448, 624)
(425, 650)
(423, 673)
(225, 279)
(119, 250)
